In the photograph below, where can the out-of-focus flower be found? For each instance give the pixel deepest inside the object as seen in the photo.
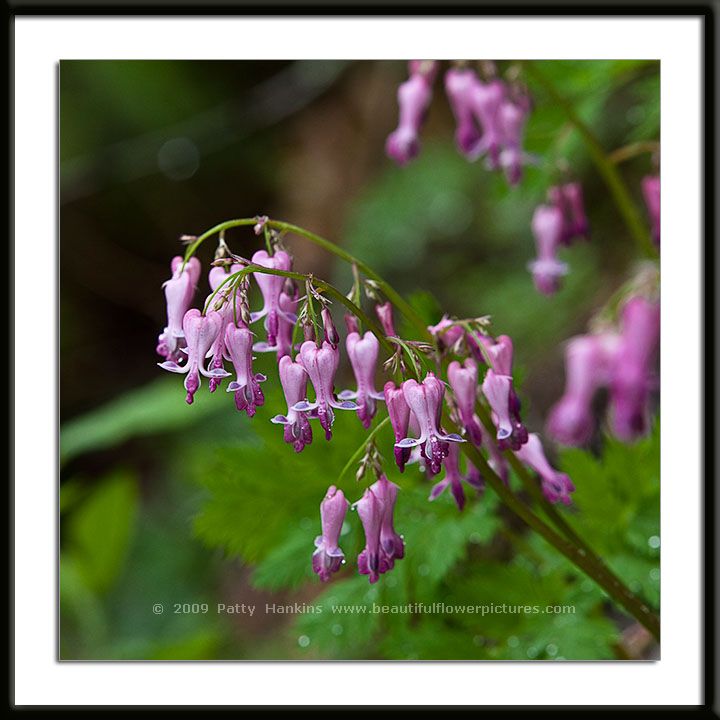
(200, 332)
(547, 227)
(384, 313)
(399, 413)
(425, 401)
(588, 363)
(414, 97)
(454, 478)
(363, 354)
(632, 378)
(328, 557)
(271, 287)
(487, 99)
(569, 199)
(446, 332)
(246, 386)
(321, 364)
(512, 119)
(464, 383)
(179, 291)
(460, 87)
(293, 379)
(556, 486)
(651, 194)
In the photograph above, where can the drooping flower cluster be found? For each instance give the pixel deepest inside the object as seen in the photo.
(556, 224)
(621, 360)
(376, 509)
(199, 342)
(490, 117)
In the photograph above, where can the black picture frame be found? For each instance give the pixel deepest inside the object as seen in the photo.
(708, 11)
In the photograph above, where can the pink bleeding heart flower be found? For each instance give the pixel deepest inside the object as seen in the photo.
(556, 486)
(496, 352)
(287, 303)
(425, 401)
(238, 344)
(547, 227)
(371, 561)
(328, 557)
(384, 313)
(224, 303)
(568, 198)
(454, 478)
(200, 332)
(179, 291)
(271, 287)
(512, 118)
(414, 97)
(399, 413)
(321, 364)
(363, 354)
(631, 377)
(588, 363)
(446, 332)
(500, 394)
(487, 100)
(651, 195)
(329, 330)
(464, 383)
(392, 545)
(460, 87)
(293, 379)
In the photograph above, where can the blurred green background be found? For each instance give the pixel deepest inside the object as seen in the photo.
(165, 503)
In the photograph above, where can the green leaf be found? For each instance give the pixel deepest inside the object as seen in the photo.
(154, 408)
(100, 529)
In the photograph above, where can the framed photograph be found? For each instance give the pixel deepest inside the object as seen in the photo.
(376, 378)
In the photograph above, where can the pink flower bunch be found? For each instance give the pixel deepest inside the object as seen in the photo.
(621, 360)
(490, 117)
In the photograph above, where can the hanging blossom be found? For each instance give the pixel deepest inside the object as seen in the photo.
(179, 291)
(425, 401)
(499, 392)
(287, 302)
(632, 375)
(271, 287)
(321, 364)
(547, 227)
(464, 383)
(556, 486)
(651, 195)
(414, 97)
(446, 333)
(363, 354)
(621, 361)
(454, 478)
(328, 557)
(246, 386)
(223, 301)
(200, 332)
(513, 114)
(399, 413)
(382, 544)
(568, 198)
(588, 364)
(293, 379)
(384, 313)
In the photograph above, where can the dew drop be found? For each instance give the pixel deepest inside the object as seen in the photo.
(303, 641)
(654, 542)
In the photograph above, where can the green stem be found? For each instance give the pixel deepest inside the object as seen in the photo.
(604, 164)
(609, 582)
(359, 452)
